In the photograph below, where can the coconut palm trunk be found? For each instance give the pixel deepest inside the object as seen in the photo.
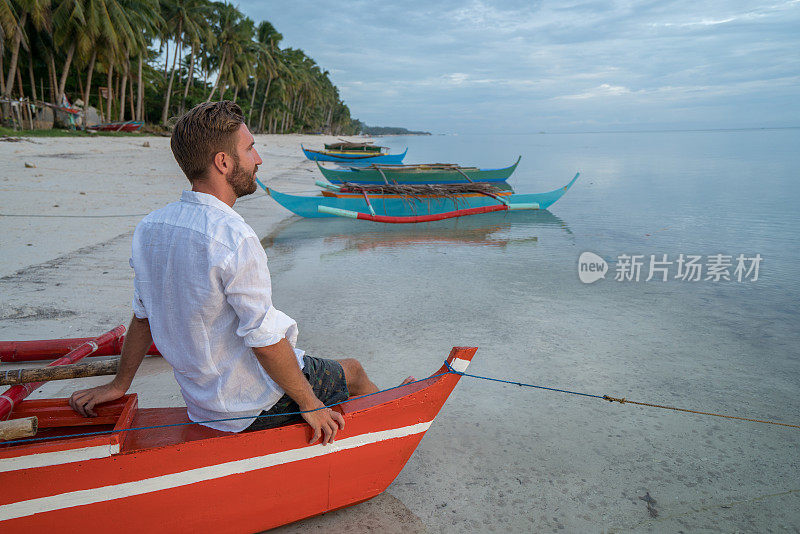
(123, 84)
(140, 92)
(264, 103)
(31, 76)
(130, 95)
(88, 89)
(67, 63)
(189, 78)
(221, 70)
(2, 70)
(12, 67)
(178, 43)
(252, 100)
(51, 71)
(110, 92)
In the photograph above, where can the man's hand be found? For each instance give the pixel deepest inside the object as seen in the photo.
(325, 422)
(280, 363)
(83, 401)
(137, 341)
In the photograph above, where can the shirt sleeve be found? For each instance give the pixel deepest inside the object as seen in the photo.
(247, 287)
(138, 305)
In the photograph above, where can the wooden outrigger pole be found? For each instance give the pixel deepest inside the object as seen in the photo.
(59, 372)
(14, 394)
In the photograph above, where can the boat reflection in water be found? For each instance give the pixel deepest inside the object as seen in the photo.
(490, 229)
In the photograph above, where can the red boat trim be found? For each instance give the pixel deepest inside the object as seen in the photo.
(432, 217)
(202, 474)
(50, 349)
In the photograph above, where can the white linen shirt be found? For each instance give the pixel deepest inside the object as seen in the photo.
(201, 279)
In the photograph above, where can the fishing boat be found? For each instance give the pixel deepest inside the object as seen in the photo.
(129, 126)
(399, 208)
(431, 173)
(354, 146)
(353, 157)
(152, 470)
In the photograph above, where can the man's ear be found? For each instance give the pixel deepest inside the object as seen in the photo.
(221, 162)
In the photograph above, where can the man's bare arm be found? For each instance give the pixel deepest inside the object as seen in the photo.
(137, 340)
(280, 363)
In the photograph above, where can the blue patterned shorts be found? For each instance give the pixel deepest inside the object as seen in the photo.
(327, 380)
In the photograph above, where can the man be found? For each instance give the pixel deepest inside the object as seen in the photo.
(202, 293)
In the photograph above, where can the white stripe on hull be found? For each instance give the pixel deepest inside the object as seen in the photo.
(45, 459)
(193, 476)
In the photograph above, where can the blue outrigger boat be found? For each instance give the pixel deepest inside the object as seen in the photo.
(362, 158)
(410, 209)
(423, 173)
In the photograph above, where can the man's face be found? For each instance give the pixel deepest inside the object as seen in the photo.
(245, 164)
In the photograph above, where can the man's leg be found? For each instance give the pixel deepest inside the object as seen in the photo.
(358, 383)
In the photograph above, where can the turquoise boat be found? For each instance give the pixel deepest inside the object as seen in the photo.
(353, 158)
(420, 209)
(432, 173)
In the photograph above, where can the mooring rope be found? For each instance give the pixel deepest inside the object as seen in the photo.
(619, 400)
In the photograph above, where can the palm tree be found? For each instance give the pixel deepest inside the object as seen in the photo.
(143, 17)
(38, 11)
(233, 34)
(204, 10)
(183, 20)
(268, 65)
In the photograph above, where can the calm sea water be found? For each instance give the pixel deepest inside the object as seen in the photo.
(502, 457)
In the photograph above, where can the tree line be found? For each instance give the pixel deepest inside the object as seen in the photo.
(150, 60)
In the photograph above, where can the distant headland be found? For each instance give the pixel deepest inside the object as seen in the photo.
(384, 130)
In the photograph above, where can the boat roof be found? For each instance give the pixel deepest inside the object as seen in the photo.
(345, 145)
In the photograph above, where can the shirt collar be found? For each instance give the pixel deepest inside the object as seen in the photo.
(208, 200)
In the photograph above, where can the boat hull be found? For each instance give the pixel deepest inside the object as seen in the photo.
(398, 206)
(117, 127)
(355, 159)
(432, 176)
(192, 479)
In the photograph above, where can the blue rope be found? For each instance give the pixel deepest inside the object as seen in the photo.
(104, 432)
(450, 370)
(521, 384)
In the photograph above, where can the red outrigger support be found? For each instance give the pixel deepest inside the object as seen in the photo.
(50, 349)
(423, 218)
(10, 397)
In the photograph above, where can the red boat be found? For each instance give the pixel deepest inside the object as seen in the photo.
(129, 126)
(164, 475)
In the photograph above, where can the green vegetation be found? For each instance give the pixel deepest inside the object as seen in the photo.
(384, 130)
(57, 132)
(82, 48)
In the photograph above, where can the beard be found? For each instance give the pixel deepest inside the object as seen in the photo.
(242, 181)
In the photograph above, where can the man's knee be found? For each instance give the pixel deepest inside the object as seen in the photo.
(353, 372)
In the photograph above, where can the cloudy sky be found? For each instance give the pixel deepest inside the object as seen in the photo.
(472, 66)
